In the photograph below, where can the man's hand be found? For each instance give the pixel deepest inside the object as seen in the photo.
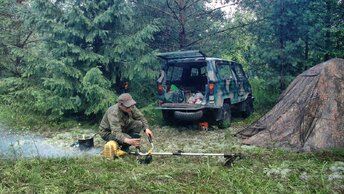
(149, 133)
(135, 142)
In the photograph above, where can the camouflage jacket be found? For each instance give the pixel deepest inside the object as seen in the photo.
(115, 123)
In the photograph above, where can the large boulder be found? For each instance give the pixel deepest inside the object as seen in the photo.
(309, 114)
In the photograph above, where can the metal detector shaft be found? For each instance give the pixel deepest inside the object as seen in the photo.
(229, 158)
(181, 154)
(187, 154)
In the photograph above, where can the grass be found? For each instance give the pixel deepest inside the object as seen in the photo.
(266, 172)
(20, 120)
(43, 124)
(261, 170)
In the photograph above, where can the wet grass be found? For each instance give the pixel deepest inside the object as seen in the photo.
(21, 120)
(260, 170)
(259, 173)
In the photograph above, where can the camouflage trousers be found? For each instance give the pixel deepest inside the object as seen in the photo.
(132, 130)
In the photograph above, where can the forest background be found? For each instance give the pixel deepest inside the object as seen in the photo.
(68, 58)
(62, 64)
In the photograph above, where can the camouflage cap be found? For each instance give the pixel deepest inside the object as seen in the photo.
(126, 100)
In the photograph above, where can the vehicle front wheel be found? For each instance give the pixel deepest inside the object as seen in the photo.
(225, 116)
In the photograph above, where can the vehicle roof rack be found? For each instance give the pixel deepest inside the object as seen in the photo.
(181, 55)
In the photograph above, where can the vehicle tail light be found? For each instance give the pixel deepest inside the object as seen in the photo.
(160, 89)
(211, 87)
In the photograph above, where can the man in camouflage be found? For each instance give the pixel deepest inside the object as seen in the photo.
(123, 123)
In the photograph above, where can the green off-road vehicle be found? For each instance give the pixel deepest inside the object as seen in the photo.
(193, 87)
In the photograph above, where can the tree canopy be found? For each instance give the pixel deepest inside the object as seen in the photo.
(64, 57)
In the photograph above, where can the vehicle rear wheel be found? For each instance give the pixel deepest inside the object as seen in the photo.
(167, 115)
(248, 103)
(225, 116)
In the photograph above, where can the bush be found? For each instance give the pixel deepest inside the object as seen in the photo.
(143, 91)
(152, 115)
(265, 92)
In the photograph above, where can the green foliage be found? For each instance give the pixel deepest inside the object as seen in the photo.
(88, 46)
(264, 92)
(13, 37)
(152, 114)
(183, 24)
(52, 52)
(21, 119)
(96, 90)
(291, 36)
(8, 85)
(143, 91)
(236, 44)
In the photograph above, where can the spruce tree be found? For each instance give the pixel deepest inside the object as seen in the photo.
(88, 46)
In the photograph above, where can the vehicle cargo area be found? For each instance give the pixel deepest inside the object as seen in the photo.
(184, 86)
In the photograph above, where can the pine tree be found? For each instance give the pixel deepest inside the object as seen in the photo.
(15, 37)
(88, 45)
(293, 34)
(184, 24)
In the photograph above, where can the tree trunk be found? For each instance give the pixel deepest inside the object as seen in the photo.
(182, 21)
(282, 39)
(328, 23)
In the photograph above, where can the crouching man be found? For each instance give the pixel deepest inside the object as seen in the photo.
(122, 123)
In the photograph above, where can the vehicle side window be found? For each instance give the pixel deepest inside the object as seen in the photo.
(194, 72)
(239, 71)
(174, 73)
(224, 70)
(204, 71)
(200, 71)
